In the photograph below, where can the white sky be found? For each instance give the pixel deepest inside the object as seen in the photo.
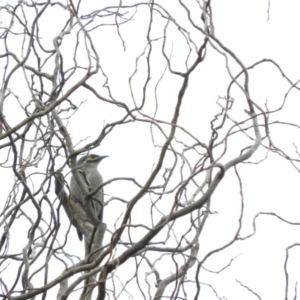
(271, 186)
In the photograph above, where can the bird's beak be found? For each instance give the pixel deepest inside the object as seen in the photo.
(103, 156)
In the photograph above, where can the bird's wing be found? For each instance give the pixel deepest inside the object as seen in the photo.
(76, 192)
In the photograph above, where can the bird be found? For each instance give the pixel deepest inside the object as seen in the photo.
(88, 164)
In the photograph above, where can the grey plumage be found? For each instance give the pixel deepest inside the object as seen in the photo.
(88, 166)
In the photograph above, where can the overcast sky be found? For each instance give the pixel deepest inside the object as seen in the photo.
(253, 33)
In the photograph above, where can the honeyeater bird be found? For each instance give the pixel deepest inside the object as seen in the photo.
(88, 167)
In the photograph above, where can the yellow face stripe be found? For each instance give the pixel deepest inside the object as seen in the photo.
(92, 158)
